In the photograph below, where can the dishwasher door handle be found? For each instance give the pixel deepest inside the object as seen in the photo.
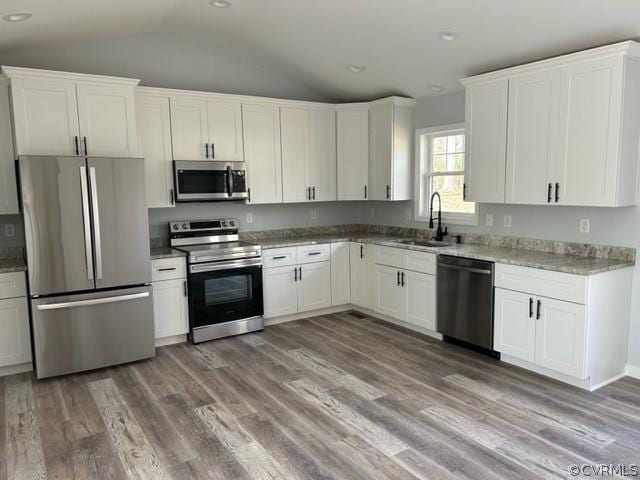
(480, 271)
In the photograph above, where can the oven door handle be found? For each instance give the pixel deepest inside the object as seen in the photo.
(225, 265)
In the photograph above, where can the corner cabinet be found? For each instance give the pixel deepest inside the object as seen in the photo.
(353, 151)
(361, 274)
(58, 113)
(562, 131)
(391, 149)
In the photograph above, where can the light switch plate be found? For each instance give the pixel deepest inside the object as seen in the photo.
(249, 217)
(585, 225)
(314, 213)
(9, 230)
(507, 221)
(489, 220)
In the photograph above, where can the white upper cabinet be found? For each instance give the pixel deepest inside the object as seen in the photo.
(57, 113)
(532, 137)
(8, 187)
(572, 135)
(261, 130)
(321, 171)
(486, 141)
(225, 130)
(353, 152)
(294, 123)
(390, 149)
(189, 128)
(154, 133)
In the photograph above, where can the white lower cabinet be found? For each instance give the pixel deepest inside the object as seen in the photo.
(314, 286)
(170, 297)
(389, 296)
(280, 290)
(15, 343)
(514, 329)
(361, 270)
(340, 278)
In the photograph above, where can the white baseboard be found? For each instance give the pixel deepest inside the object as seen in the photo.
(409, 326)
(313, 313)
(172, 340)
(13, 369)
(633, 371)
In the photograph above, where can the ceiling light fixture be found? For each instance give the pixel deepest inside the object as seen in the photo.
(220, 3)
(447, 36)
(436, 88)
(17, 17)
(356, 68)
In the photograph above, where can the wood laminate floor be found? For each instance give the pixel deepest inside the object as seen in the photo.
(333, 397)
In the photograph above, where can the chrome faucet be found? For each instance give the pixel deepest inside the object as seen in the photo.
(439, 233)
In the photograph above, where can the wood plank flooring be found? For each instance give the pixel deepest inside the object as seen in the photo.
(333, 397)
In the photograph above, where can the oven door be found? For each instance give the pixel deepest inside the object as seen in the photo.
(209, 181)
(220, 292)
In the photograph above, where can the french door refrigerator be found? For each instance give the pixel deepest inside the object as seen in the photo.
(89, 270)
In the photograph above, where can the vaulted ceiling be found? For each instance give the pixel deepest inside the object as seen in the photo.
(300, 48)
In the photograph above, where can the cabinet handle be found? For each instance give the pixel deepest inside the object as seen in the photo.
(86, 150)
(279, 257)
(313, 189)
(398, 278)
(549, 188)
(249, 195)
(75, 139)
(206, 150)
(173, 199)
(402, 279)
(295, 274)
(530, 307)
(557, 192)
(388, 191)
(167, 269)
(308, 194)
(184, 286)
(538, 310)
(213, 151)
(365, 192)
(300, 274)
(464, 191)
(361, 251)
(313, 253)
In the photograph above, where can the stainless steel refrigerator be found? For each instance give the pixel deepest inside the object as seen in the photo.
(87, 240)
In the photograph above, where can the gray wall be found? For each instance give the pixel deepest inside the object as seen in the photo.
(610, 226)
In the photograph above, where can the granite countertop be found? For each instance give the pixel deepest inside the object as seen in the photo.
(166, 252)
(578, 265)
(8, 265)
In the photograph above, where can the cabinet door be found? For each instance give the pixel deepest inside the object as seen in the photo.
(8, 187)
(314, 287)
(486, 141)
(225, 130)
(170, 308)
(280, 291)
(353, 154)
(340, 279)
(189, 128)
(321, 169)
(15, 343)
(360, 285)
(389, 295)
(515, 324)
(420, 295)
(532, 143)
(154, 134)
(107, 117)
(590, 129)
(45, 116)
(261, 131)
(295, 154)
(380, 151)
(561, 337)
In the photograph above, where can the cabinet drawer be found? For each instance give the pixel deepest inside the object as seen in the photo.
(534, 281)
(12, 285)
(423, 262)
(313, 253)
(279, 257)
(168, 268)
(393, 257)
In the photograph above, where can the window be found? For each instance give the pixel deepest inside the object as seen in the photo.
(440, 168)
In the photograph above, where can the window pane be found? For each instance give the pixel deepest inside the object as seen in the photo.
(458, 162)
(451, 144)
(439, 163)
(450, 189)
(439, 145)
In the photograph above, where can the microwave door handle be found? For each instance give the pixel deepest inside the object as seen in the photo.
(229, 181)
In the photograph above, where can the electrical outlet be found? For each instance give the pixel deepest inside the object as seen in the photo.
(489, 220)
(314, 213)
(507, 221)
(372, 212)
(9, 230)
(585, 225)
(249, 217)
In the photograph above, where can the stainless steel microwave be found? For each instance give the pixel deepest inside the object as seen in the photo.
(207, 181)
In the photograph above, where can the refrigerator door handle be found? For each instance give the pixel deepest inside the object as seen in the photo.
(96, 221)
(95, 301)
(84, 191)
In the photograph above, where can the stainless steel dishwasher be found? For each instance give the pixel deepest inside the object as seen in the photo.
(465, 301)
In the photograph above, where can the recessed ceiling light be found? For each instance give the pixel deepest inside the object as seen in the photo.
(356, 68)
(17, 17)
(220, 3)
(447, 36)
(436, 88)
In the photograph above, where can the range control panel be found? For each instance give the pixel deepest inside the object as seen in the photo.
(221, 224)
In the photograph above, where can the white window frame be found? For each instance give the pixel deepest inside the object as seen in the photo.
(423, 191)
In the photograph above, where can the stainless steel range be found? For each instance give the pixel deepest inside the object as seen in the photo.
(224, 278)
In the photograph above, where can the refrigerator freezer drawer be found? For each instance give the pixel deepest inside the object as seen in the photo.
(83, 332)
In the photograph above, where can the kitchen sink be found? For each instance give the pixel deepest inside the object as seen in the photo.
(425, 243)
